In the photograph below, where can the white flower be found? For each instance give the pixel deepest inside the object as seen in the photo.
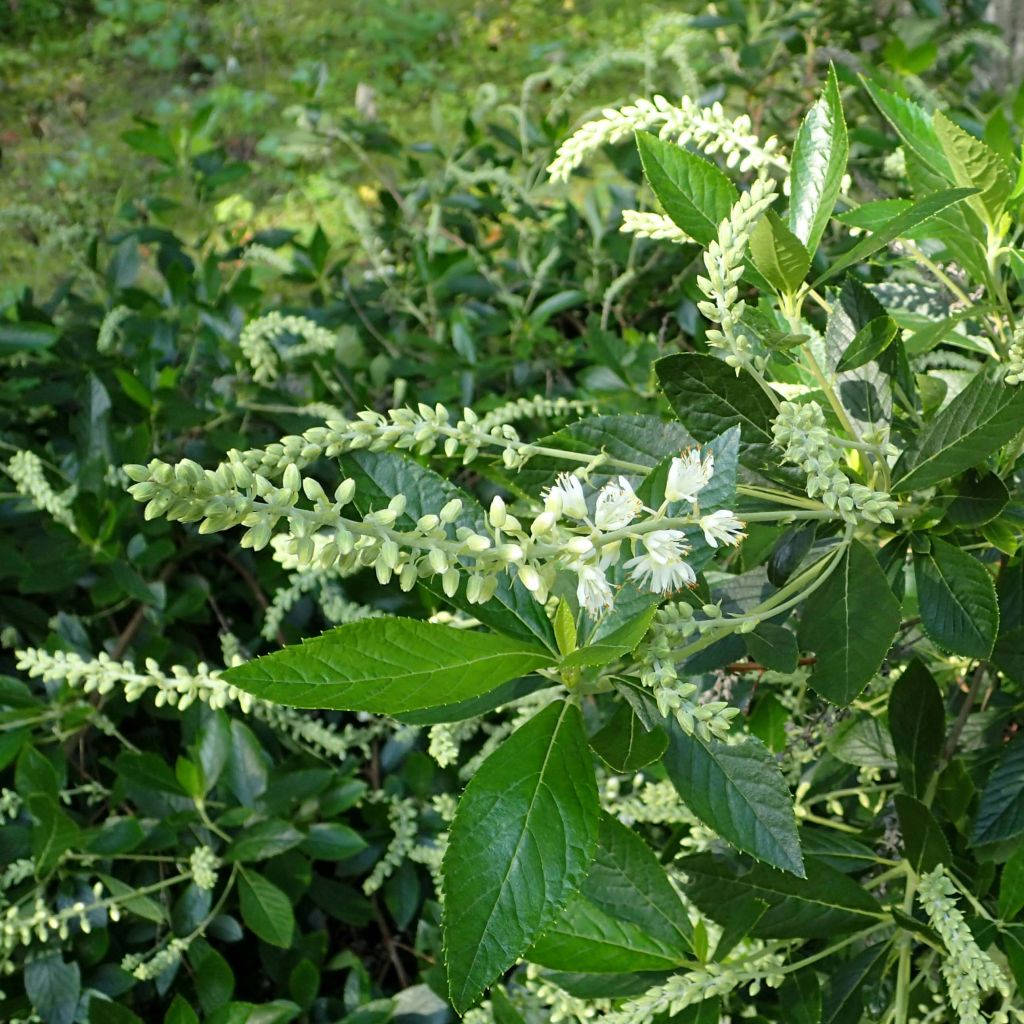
(617, 505)
(566, 497)
(688, 476)
(722, 527)
(593, 591)
(661, 567)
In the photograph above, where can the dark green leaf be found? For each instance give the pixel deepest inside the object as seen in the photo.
(1011, 887)
(53, 833)
(535, 799)
(773, 646)
(180, 1012)
(737, 790)
(975, 424)
(868, 343)
(694, 193)
(53, 987)
(917, 723)
(924, 845)
(266, 910)
(1001, 814)
(264, 840)
(850, 623)
(625, 745)
(331, 840)
(27, 336)
(778, 254)
(979, 500)
(615, 645)
(957, 600)
(387, 665)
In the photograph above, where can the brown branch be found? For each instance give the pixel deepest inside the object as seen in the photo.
(128, 633)
(753, 666)
(254, 587)
(389, 943)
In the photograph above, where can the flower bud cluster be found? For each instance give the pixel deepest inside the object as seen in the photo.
(23, 925)
(143, 969)
(968, 970)
(723, 260)
(653, 225)
(10, 805)
(673, 623)
(260, 336)
(25, 468)
(403, 817)
(537, 407)
(801, 432)
(203, 865)
(707, 128)
(106, 337)
(1015, 357)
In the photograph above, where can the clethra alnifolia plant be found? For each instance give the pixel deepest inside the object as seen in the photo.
(763, 643)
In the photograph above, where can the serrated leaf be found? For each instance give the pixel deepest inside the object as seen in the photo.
(626, 916)
(615, 645)
(922, 210)
(387, 666)
(975, 165)
(709, 398)
(266, 910)
(737, 790)
(535, 800)
(917, 724)
(849, 623)
(980, 499)
(1001, 812)
(957, 600)
(976, 423)
(778, 254)
(625, 744)
(693, 192)
(818, 164)
(820, 905)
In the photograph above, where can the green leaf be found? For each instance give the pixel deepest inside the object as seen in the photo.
(868, 343)
(264, 840)
(917, 723)
(976, 423)
(618, 644)
(844, 998)
(625, 745)
(626, 916)
(523, 837)
(709, 398)
(180, 1012)
(26, 336)
(975, 165)
(980, 499)
(266, 910)
(379, 476)
(957, 600)
(737, 790)
(53, 987)
(900, 225)
(739, 926)
(801, 995)
(565, 628)
(778, 254)
(693, 191)
(387, 665)
(823, 904)
(818, 164)
(331, 840)
(850, 623)
(707, 1011)
(103, 1011)
(1001, 812)
(773, 646)
(1011, 887)
(476, 706)
(924, 845)
(53, 832)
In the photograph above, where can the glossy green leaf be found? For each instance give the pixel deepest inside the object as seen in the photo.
(615, 645)
(737, 790)
(625, 745)
(626, 916)
(266, 910)
(1011, 887)
(980, 499)
(778, 254)
(773, 646)
(975, 424)
(53, 987)
(975, 165)
(822, 904)
(387, 665)
(849, 624)
(27, 336)
(53, 832)
(692, 191)
(817, 166)
(924, 845)
(535, 799)
(264, 840)
(869, 343)
(957, 600)
(917, 723)
(1001, 812)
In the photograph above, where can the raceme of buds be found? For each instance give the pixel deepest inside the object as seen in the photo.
(801, 433)
(1015, 357)
(724, 262)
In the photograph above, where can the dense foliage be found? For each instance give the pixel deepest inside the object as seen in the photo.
(516, 598)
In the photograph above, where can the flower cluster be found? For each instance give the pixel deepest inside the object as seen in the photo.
(10, 805)
(536, 407)
(143, 969)
(801, 433)
(708, 128)
(403, 817)
(723, 260)
(259, 337)
(1015, 357)
(25, 468)
(673, 623)
(968, 970)
(21, 925)
(110, 328)
(653, 225)
(202, 866)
